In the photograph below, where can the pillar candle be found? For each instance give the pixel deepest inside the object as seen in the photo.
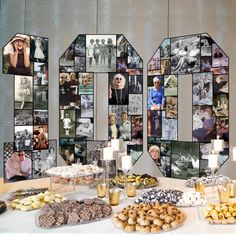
(217, 145)
(107, 154)
(213, 161)
(126, 162)
(234, 153)
(115, 144)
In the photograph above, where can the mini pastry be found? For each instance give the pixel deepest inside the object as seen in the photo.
(129, 228)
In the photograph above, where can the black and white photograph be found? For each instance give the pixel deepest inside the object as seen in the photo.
(38, 49)
(165, 166)
(171, 106)
(185, 160)
(165, 148)
(221, 84)
(221, 105)
(206, 64)
(135, 106)
(204, 170)
(66, 69)
(40, 117)
(185, 54)
(170, 85)
(41, 97)
(40, 73)
(23, 117)
(202, 89)
(67, 59)
(135, 151)
(137, 127)
(86, 83)
(23, 92)
(218, 57)
(40, 137)
(222, 127)
(86, 105)
(169, 128)
(205, 150)
(165, 67)
(165, 49)
(155, 63)
(134, 60)
(203, 124)
(154, 124)
(23, 138)
(117, 110)
(80, 46)
(118, 92)
(44, 160)
(67, 123)
(136, 84)
(101, 53)
(122, 46)
(16, 56)
(84, 128)
(67, 153)
(80, 63)
(81, 152)
(206, 43)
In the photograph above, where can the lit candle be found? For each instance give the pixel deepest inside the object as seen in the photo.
(126, 163)
(217, 145)
(107, 154)
(115, 144)
(213, 161)
(234, 153)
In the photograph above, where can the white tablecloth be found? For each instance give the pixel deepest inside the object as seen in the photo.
(14, 221)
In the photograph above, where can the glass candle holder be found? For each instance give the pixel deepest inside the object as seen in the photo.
(114, 197)
(101, 190)
(199, 187)
(131, 189)
(223, 193)
(232, 189)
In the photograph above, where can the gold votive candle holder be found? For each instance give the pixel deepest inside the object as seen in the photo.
(223, 193)
(131, 189)
(199, 187)
(101, 190)
(114, 196)
(232, 190)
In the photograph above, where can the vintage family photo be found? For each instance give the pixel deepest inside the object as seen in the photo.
(23, 117)
(38, 49)
(86, 84)
(40, 73)
(41, 97)
(221, 105)
(40, 137)
(154, 124)
(86, 105)
(135, 106)
(67, 59)
(169, 128)
(171, 106)
(218, 57)
(84, 128)
(23, 138)
(67, 123)
(221, 84)
(136, 84)
(80, 152)
(165, 49)
(154, 64)
(134, 60)
(80, 46)
(40, 117)
(122, 46)
(170, 85)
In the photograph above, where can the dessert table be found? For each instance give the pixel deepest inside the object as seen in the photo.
(14, 221)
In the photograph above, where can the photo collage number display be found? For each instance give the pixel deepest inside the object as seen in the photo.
(200, 56)
(79, 64)
(26, 57)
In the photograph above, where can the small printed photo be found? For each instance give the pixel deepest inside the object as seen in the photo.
(220, 70)
(134, 60)
(67, 123)
(154, 151)
(23, 92)
(84, 128)
(185, 160)
(135, 151)
(16, 56)
(156, 99)
(218, 57)
(221, 105)
(153, 140)
(80, 46)
(155, 64)
(80, 64)
(202, 89)
(118, 89)
(221, 84)
(170, 85)
(165, 67)
(135, 71)
(154, 124)
(136, 84)
(165, 148)
(17, 165)
(206, 63)
(121, 64)
(113, 126)
(40, 117)
(125, 127)
(206, 42)
(135, 106)
(122, 46)
(205, 150)
(81, 152)
(40, 73)
(222, 127)
(40, 97)
(165, 166)
(203, 124)
(101, 53)
(67, 153)
(66, 69)
(169, 128)
(38, 49)
(185, 54)
(67, 59)
(172, 107)
(86, 105)
(66, 141)
(137, 127)
(23, 138)
(86, 83)
(165, 49)
(23, 117)
(40, 137)
(44, 160)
